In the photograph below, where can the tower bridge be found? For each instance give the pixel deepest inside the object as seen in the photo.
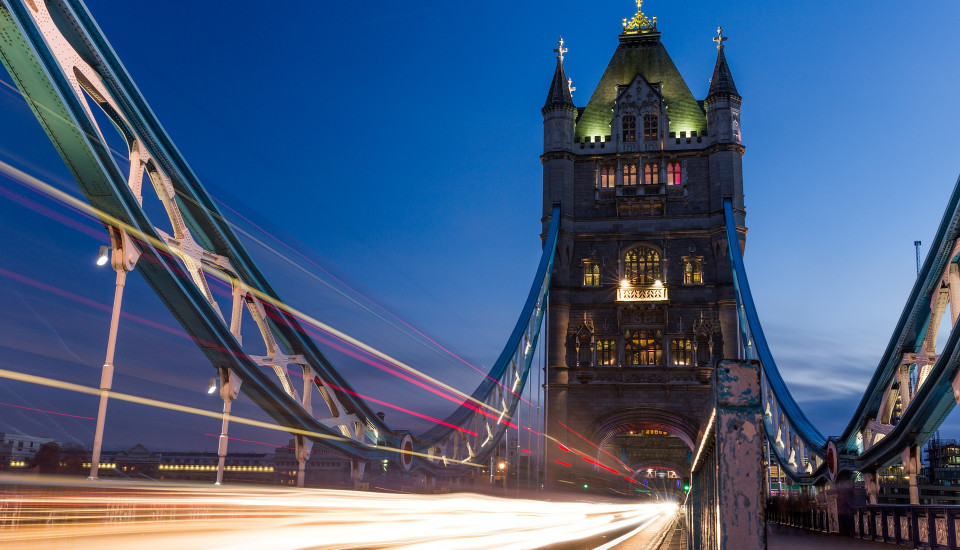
(656, 363)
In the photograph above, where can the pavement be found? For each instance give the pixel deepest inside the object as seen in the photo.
(782, 537)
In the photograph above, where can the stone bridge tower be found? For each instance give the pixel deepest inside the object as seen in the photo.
(641, 302)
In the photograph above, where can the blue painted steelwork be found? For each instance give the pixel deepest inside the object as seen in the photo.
(755, 347)
(931, 402)
(33, 38)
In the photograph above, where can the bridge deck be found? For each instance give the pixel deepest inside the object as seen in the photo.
(782, 537)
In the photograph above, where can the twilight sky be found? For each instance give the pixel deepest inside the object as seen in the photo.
(397, 148)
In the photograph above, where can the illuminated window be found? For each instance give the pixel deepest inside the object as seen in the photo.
(629, 128)
(591, 275)
(608, 176)
(650, 127)
(651, 173)
(606, 351)
(642, 265)
(673, 173)
(692, 271)
(629, 174)
(681, 351)
(641, 347)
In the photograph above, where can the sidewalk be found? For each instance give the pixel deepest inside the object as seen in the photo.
(782, 537)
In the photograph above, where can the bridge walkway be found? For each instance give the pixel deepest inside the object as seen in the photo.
(783, 537)
(667, 534)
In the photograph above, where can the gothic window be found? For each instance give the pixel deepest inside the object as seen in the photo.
(673, 173)
(629, 174)
(591, 274)
(681, 351)
(629, 128)
(608, 176)
(641, 347)
(650, 127)
(606, 351)
(641, 266)
(651, 173)
(692, 271)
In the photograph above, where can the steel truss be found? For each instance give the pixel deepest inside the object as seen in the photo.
(64, 67)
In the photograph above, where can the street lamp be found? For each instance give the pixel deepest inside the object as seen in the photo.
(104, 256)
(123, 259)
(212, 386)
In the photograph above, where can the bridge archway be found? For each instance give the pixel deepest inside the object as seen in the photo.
(646, 438)
(624, 421)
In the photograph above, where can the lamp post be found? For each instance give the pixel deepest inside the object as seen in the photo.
(123, 258)
(229, 390)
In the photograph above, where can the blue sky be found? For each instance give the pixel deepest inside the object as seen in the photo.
(398, 147)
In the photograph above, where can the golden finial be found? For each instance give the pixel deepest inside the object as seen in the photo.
(720, 39)
(640, 22)
(560, 50)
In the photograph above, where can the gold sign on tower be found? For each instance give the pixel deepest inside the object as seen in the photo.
(640, 22)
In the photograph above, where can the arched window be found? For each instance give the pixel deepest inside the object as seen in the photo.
(692, 271)
(629, 128)
(629, 174)
(651, 173)
(650, 127)
(591, 274)
(680, 351)
(641, 266)
(606, 351)
(641, 347)
(608, 174)
(673, 173)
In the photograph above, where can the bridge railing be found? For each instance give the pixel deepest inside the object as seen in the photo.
(926, 526)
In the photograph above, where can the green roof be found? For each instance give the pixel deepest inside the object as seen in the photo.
(641, 53)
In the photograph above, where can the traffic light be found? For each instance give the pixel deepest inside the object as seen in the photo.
(686, 487)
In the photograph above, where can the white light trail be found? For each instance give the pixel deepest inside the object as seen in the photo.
(124, 514)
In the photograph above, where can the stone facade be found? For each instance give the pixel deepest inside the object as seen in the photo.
(641, 303)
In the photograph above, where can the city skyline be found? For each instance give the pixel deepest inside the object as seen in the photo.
(386, 184)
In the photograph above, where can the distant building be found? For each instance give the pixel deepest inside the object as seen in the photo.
(139, 462)
(16, 450)
(943, 463)
(939, 484)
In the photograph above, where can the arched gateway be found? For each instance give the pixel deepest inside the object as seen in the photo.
(641, 301)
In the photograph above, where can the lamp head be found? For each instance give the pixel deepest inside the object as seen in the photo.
(104, 256)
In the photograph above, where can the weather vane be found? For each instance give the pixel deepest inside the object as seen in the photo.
(639, 21)
(720, 39)
(561, 50)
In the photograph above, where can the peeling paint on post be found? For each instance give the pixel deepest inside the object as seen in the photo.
(740, 498)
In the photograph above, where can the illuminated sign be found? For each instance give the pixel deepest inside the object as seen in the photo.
(651, 294)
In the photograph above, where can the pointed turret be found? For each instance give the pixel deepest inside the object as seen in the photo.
(723, 101)
(559, 94)
(722, 82)
(723, 119)
(559, 118)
